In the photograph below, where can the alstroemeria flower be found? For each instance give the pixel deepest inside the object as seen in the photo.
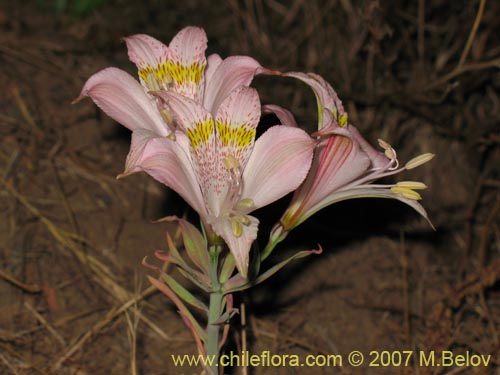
(219, 168)
(181, 68)
(345, 164)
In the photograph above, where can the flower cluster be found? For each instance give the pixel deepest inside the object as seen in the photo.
(193, 120)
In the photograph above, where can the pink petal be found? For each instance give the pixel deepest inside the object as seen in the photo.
(199, 127)
(284, 115)
(150, 55)
(187, 60)
(239, 246)
(378, 159)
(279, 163)
(166, 161)
(236, 121)
(337, 161)
(325, 94)
(213, 62)
(119, 95)
(232, 72)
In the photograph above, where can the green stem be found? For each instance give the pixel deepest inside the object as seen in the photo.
(215, 310)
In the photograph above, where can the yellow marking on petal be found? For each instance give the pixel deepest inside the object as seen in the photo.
(185, 73)
(236, 228)
(343, 120)
(239, 137)
(407, 193)
(200, 133)
(156, 77)
(419, 160)
(414, 185)
(245, 203)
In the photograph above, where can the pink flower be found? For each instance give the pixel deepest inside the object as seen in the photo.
(181, 68)
(219, 168)
(193, 121)
(345, 165)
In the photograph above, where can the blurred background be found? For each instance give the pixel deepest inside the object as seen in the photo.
(423, 75)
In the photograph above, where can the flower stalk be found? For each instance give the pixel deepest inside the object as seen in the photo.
(215, 310)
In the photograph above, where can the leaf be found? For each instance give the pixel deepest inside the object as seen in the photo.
(238, 283)
(194, 243)
(183, 293)
(197, 331)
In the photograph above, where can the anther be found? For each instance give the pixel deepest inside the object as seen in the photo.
(419, 160)
(245, 203)
(236, 227)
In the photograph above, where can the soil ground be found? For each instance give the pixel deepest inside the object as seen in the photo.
(423, 75)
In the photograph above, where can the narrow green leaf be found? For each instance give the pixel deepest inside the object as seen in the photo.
(194, 243)
(183, 293)
(198, 332)
(238, 283)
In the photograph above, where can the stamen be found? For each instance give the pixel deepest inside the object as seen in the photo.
(407, 193)
(243, 219)
(169, 120)
(419, 160)
(166, 116)
(152, 82)
(245, 203)
(383, 144)
(231, 163)
(414, 185)
(236, 227)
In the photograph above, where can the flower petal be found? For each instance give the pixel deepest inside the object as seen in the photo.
(150, 56)
(372, 192)
(238, 245)
(119, 95)
(236, 121)
(186, 61)
(284, 115)
(337, 161)
(232, 72)
(377, 158)
(213, 62)
(199, 127)
(167, 161)
(325, 95)
(279, 163)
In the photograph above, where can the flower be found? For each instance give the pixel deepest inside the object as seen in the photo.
(181, 68)
(345, 165)
(219, 168)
